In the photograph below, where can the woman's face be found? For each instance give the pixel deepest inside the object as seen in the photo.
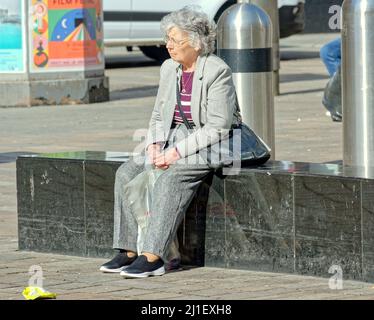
(179, 47)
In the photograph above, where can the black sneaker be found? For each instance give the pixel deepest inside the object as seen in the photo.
(141, 268)
(118, 263)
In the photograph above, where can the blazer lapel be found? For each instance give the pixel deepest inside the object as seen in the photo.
(171, 101)
(196, 90)
(177, 82)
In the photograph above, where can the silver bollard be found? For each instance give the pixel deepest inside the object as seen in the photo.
(244, 42)
(271, 8)
(358, 83)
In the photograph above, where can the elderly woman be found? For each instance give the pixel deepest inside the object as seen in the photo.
(205, 87)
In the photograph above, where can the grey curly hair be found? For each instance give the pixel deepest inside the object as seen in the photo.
(191, 19)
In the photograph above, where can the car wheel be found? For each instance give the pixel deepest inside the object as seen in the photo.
(159, 53)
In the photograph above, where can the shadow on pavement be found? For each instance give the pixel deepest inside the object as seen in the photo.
(133, 93)
(293, 77)
(297, 55)
(339, 162)
(129, 62)
(301, 91)
(7, 157)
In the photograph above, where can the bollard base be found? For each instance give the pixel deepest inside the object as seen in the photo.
(54, 92)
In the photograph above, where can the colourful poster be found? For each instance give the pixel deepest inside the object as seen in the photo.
(67, 34)
(11, 39)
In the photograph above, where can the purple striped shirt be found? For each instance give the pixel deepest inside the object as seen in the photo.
(186, 90)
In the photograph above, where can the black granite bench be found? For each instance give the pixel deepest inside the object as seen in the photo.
(281, 217)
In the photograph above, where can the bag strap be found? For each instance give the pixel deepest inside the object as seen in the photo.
(186, 123)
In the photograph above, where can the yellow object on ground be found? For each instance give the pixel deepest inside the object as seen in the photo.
(33, 293)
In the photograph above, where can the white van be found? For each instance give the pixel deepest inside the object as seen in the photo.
(137, 22)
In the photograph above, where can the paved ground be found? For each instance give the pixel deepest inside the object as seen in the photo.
(303, 133)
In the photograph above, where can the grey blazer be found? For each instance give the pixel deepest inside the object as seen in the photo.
(214, 106)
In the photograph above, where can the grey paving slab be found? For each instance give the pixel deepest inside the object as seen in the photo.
(189, 297)
(160, 296)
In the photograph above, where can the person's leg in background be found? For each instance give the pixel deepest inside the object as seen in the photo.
(332, 100)
(330, 54)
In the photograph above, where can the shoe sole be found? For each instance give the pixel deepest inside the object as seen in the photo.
(158, 272)
(118, 270)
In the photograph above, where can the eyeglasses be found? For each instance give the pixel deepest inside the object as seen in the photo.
(174, 42)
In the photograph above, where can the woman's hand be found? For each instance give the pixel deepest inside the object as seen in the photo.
(153, 151)
(164, 160)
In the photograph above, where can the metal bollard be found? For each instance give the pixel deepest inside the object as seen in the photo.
(358, 83)
(244, 42)
(271, 8)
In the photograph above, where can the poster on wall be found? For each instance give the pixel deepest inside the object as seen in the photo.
(11, 39)
(66, 35)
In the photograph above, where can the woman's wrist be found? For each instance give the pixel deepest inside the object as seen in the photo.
(154, 145)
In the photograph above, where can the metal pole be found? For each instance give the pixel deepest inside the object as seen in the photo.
(358, 83)
(244, 42)
(271, 8)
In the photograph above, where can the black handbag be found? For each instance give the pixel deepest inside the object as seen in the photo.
(241, 146)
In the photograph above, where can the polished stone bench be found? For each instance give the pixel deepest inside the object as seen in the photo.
(285, 217)
(65, 206)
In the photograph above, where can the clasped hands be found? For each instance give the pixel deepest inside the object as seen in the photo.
(162, 160)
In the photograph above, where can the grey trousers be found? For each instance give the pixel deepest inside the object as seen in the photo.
(172, 194)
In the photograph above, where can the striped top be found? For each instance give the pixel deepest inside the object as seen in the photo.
(186, 90)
